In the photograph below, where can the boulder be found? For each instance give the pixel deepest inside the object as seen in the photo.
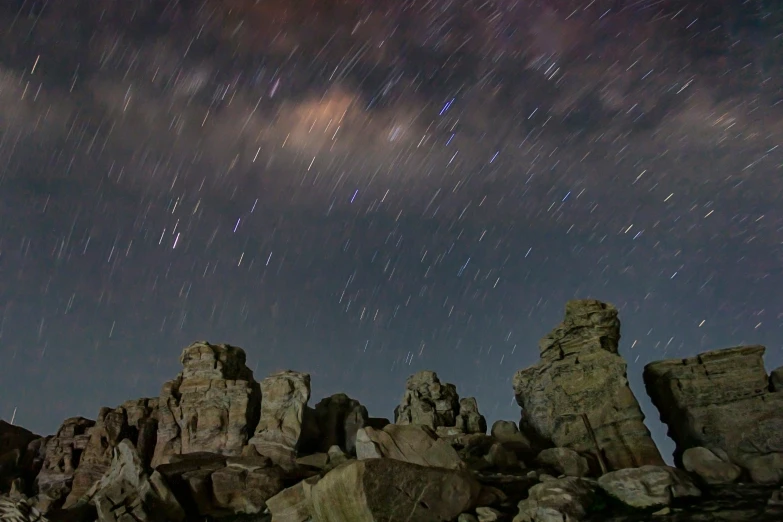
(565, 461)
(407, 443)
(469, 419)
(133, 420)
(560, 500)
(709, 467)
(648, 486)
(581, 373)
(63, 455)
(428, 402)
(127, 492)
(212, 405)
(339, 418)
(386, 489)
(284, 399)
(721, 400)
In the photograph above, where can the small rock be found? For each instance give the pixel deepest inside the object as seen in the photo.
(487, 514)
(662, 512)
(559, 500)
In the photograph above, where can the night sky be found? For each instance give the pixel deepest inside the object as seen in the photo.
(364, 189)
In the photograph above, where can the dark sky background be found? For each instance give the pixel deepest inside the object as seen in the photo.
(362, 190)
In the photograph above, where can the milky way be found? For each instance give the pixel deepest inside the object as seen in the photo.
(361, 190)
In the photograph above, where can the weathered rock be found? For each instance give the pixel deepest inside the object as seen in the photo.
(293, 504)
(765, 469)
(467, 517)
(559, 500)
(648, 486)
(469, 419)
(499, 457)
(14, 437)
(776, 380)
(488, 514)
(386, 489)
(242, 487)
(127, 421)
(721, 399)
(565, 461)
(709, 467)
(127, 493)
(316, 460)
(63, 454)
(284, 399)
(407, 443)
(428, 402)
(508, 434)
(212, 405)
(19, 510)
(580, 372)
(339, 418)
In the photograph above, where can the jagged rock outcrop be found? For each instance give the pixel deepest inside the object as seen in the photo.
(721, 400)
(128, 493)
(212, 405)
(63, 454)
(19, 510)
(134, 420)
(581, 372)
(284, 399)
(339, 418)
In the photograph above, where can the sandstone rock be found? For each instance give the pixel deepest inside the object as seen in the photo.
(63, 454)
(293, 504)
(720, 400)
(648, 486)
(765, 469)
(386, 489)
(14, 437)
(128, 493)
(339, 418)
(428, 402)
(316, 460)
(508, 434)
(709, 466)
(580, 372)
(212, 405)
(776, 380)
(565, 461)
(128, 421)
(499, 457)
(407, 443)
(469, 419)
(19, 510)
(284, 396)
(237, 489)
(559, 500)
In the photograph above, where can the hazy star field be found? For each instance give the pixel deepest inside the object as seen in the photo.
(365, 189)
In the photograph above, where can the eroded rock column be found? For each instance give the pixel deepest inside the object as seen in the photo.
(581, 372)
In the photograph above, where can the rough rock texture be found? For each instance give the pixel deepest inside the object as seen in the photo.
(284, 399)
(709, 467)
(63, 454)
(127, 493)
(648, 486)
(293, 504)
(469, 419)
(133, 420)
(721, 399)
(566, 499)
(385, 489)
(580, 372)
(212, 405)
(428, 402)
(214, 485)
(19, 510)
(776, 380)
(339, 418)
(407, 443)
(565, 461)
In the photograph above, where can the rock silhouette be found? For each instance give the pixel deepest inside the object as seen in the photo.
(219, 445)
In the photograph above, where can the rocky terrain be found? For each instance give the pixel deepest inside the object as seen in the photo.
(219, 445)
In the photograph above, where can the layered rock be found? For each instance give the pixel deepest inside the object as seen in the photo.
(284, 399)
(428, 402)
(63, 454)
(134, 420)
(581, 373)
(212, 405)
(722, 400)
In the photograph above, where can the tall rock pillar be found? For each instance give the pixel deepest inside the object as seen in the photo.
(581, 372)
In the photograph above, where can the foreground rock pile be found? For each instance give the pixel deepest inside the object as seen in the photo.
(219, 445)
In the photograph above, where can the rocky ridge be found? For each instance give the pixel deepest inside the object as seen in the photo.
(219, 445)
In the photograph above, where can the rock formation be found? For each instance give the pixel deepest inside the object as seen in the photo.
(581, 373)
(217, 446)
(721, 400)
(428, 402)
(212, 405)
(284, 399)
